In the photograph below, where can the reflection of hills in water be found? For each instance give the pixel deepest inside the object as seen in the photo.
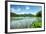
(24, 22)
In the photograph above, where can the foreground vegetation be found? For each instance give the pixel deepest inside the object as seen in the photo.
(36, 24)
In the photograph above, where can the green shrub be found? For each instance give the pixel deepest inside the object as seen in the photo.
(37, 24)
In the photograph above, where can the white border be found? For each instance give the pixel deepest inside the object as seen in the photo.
(30, 29)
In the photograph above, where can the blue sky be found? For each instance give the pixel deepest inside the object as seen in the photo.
(25, 9)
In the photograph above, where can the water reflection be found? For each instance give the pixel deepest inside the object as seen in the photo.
(22, 22)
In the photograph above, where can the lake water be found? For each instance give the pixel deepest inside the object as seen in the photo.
(22, 22)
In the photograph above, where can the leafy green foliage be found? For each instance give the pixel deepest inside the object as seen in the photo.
(36, 24)
(39, 14)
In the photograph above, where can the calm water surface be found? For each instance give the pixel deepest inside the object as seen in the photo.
(22, 22)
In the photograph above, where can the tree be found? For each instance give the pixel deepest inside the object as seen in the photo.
(39, 14)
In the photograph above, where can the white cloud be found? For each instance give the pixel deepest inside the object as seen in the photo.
(21, 13)
(18, 9)
(27, 7)
(13, 10)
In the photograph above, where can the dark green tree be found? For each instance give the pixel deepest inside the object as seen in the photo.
(39, 14)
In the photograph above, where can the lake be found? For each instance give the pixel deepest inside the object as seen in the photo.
(23, 22)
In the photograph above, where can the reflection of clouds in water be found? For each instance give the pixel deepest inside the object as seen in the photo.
(22, 23)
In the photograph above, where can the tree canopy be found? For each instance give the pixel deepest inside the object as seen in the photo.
(38, 14)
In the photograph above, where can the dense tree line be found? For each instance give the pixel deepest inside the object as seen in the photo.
(20, 15)
(39, 14)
